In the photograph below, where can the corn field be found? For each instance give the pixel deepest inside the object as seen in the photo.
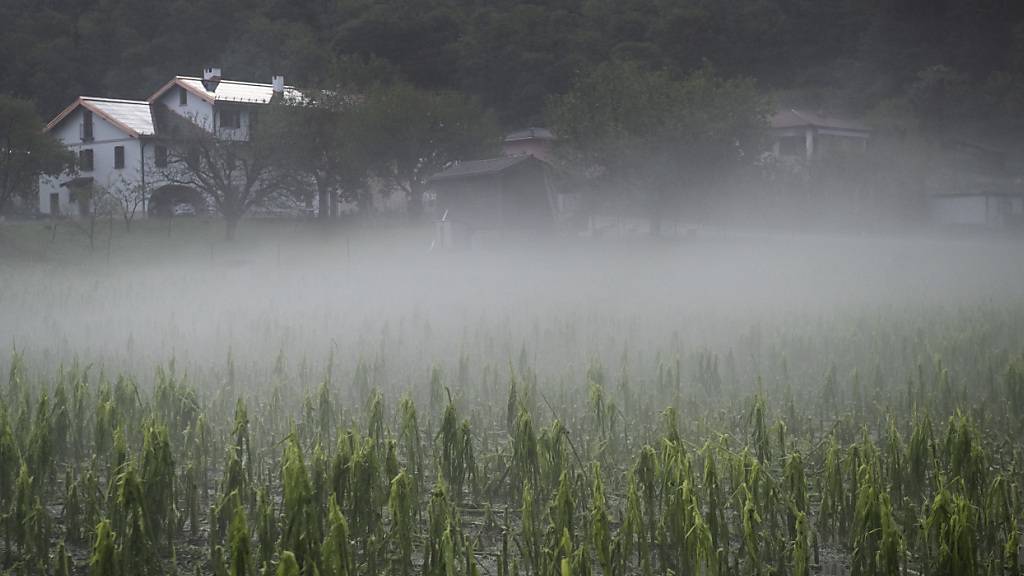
(868, 442)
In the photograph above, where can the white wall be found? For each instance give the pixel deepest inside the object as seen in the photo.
(197, 110)
(205, 114)
(106, 137)
(974, 210)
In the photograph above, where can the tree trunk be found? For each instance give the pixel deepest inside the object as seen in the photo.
(657, 210)
(230, 226)
(323, 202)
(415, 205)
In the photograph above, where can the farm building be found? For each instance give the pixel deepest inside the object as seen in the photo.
(513, 193)
(975, 186)
(536, 142)
(978, 210)
(807, 135)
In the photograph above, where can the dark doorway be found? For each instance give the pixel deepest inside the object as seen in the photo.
(170, 200)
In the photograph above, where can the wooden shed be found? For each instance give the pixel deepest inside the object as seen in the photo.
(504, 194)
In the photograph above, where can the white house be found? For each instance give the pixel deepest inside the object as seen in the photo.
(109, 138)
(120, 145)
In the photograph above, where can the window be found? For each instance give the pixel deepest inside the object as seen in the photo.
(86, 125)
(160, 156)
(182, 96)
(230, 118)
(119, 157)
(85, 160)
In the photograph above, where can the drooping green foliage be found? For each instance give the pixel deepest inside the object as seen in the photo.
(697, 483)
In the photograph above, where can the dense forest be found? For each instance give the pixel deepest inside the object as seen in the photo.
(951, 62)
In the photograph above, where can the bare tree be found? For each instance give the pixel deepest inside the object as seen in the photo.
(95, 203)
(127, 197)
(236, 174)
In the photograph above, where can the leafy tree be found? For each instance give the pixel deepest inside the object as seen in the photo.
(26, 151)
(325, 135)
(655, 137)
(417, 133)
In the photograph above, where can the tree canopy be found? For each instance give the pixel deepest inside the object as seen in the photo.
(658, 137)
(25, 151)
(512, 55)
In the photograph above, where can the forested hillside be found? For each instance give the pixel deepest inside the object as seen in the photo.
(948, 61)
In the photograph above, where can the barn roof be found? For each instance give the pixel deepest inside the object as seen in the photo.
(794, 118)
(134, 117)
(228, 90)
(530, 134)
(473, 168)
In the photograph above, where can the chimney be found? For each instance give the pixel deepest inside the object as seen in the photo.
(211, 77)
(278, 82)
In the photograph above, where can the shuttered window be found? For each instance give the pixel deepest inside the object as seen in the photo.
(160, 156)
(230, 118)
(86, 125)
(85, 160)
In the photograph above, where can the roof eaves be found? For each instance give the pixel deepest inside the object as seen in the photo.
(63, 114)
(488, 167)
(177, 81)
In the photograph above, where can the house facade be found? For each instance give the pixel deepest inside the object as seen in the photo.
(122, 146)
(113, 141)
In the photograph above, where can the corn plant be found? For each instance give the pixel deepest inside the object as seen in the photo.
(240, 563)
(801, 547)
(104, 560)
(950, 529)
(299, 536)
(401, 504)
(288, 565)
(600, 530)
(157, 479)
(525, 458)
(456, 450)
(412, 445)
(336, 554)
(530, 541)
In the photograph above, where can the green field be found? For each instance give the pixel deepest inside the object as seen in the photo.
(343, 402)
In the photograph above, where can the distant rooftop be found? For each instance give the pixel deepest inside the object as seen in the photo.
(229, 90)
(530, 134)
(793, 118)
(471, 168)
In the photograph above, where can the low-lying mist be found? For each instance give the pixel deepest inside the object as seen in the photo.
(560, 302)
